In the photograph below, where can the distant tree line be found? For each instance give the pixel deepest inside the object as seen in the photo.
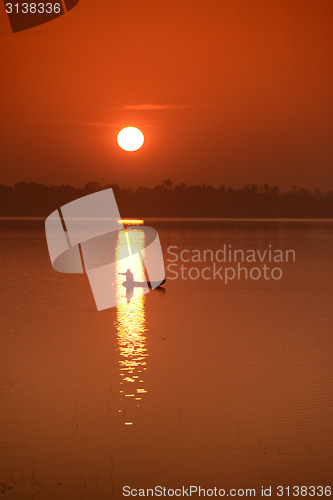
(169, 200)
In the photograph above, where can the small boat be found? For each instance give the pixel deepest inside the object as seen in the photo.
(143, 284)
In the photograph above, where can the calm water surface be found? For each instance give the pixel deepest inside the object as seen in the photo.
(206, 383)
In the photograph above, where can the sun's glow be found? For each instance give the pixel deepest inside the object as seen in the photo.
(130, 138)
(131, 222)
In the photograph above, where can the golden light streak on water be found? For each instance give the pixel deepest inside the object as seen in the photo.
(131, 322)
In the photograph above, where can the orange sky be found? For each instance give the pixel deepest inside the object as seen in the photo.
(226, 92)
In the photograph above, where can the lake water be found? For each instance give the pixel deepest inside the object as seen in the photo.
(205, 383)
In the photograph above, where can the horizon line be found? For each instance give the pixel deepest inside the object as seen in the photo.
(293, 187)
(193, 219)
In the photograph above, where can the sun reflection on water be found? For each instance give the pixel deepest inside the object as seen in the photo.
(131, 323)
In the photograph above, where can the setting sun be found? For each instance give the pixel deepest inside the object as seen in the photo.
(130, 138)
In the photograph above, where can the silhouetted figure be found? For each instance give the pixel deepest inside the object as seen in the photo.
(129, 276)
(129, 284)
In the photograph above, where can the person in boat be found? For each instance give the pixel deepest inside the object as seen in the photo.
(130, 284)
(129, 276)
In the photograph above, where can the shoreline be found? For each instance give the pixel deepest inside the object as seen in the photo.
(198, 219)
